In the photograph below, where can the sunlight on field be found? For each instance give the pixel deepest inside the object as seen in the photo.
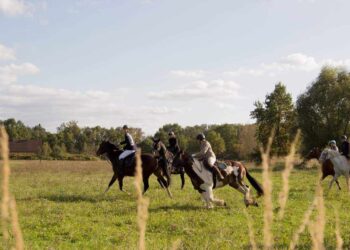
(62, 206)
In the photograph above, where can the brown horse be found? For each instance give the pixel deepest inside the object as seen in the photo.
(149, 167)
(327, 165)
(165, 159)
(203, 180)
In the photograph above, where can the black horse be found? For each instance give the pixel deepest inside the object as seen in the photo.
(166, 159)
(149, 167)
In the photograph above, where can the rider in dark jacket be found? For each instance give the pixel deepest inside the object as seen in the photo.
(344, 148)
(173, 144)
(128, 140)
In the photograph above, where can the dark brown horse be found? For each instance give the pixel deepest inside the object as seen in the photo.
(203, 180)
(327, 165)
(165, 159)
(149, 167)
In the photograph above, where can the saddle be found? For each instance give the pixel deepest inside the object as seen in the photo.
(128, 161)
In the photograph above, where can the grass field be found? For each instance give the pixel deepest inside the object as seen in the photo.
(61, 205)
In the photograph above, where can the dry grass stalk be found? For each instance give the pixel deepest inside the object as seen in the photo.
(15, 225)
(316, 228)
(142, 203)
(289, 164)
(251, 230)
(267, 186)
(5, 217)
(337, 230)
(304, 223)
(176, 244)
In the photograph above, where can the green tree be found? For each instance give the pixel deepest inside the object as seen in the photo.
(217, 143)
(45, 150)
(278, 113)
(324, 108)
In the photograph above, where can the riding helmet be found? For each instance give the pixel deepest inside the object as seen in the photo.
(125, 127)
(200, 137)
(171, 133)
(344, 137)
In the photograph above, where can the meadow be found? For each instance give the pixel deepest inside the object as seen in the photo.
(61, 205)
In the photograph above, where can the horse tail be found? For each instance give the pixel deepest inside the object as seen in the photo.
(254, 183)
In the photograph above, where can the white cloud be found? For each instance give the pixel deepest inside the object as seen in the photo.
(14, 7)
(189, 73)
(6, 53)
(244, 71)
(9, 73)
(292, 62)
(199, 89)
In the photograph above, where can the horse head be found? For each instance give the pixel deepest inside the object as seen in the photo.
(328, 154)
(156, 144)
(314, 153)
(106, 147)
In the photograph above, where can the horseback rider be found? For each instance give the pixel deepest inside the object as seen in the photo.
(207, 155)
(173, 144)
(333, 145)
(345, 147)
(129, 148)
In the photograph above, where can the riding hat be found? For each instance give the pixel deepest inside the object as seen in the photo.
(125, 127)
(344, 137)
(200, 137)
(171, 133)
(332, 142)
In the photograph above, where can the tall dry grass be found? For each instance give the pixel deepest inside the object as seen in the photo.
(316, 228)
(289, 165)
(339, 239)
(142, 202)
(8, 204)
(251, 231)
(267, 186)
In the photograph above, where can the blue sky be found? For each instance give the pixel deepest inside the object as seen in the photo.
(151, 62)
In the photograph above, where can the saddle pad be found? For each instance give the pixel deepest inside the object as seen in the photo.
(222, 165)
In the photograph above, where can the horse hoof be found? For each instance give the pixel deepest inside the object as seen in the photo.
(256, 204)
(225, 204)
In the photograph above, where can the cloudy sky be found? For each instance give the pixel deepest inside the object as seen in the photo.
(151, 62)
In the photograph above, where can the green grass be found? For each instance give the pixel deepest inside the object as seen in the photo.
(61, 206)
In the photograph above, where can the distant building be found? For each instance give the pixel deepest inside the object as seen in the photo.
(25, 146)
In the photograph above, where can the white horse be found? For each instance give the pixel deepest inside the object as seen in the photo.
(340, 163)
(202, 180)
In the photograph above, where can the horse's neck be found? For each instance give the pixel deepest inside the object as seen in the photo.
(113, 154)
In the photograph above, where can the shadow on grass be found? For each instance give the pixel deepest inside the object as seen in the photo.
(66, 198)
(182, 207)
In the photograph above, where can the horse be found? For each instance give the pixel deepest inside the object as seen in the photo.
(340, 163)
(149, 166)
(203, 180)
(166, 158)
(327, 165)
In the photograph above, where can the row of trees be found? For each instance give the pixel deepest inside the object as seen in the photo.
(228, 140)
(321, 113)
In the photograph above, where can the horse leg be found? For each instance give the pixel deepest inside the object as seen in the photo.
(160, 183)
(161, 178)
(331, 183)
(207, 198)
(114, 177)
(145, 184)
(337, 182)
(182, 175)
(120, 181)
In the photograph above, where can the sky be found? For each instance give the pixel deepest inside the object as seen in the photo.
(147, 63)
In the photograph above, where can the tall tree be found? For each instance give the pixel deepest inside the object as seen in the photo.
(324, 109)
(277, 112)
(217, 143)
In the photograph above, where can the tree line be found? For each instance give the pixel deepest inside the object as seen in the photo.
(322, 113)
(73, 142)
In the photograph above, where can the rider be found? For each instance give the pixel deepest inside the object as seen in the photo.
(207, 155)
(333, 145)
(129, 147)
(345, 147)
(173, 144)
